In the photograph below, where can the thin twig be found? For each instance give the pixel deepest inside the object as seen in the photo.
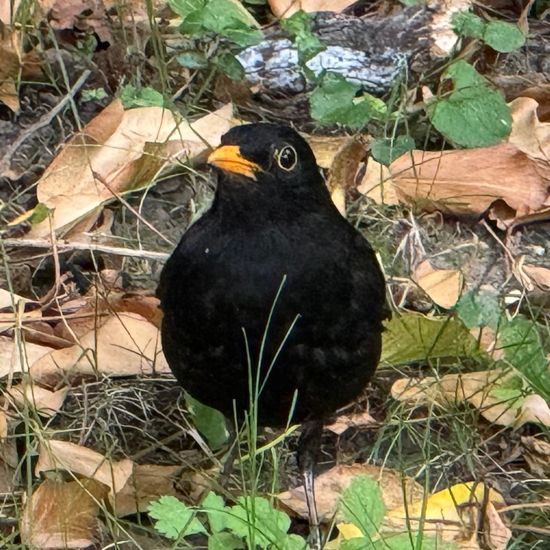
(44, 120)
(63, 246)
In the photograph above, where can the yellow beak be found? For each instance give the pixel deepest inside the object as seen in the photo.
(229, 159)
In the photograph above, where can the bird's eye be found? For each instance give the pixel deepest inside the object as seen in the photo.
(287, 158)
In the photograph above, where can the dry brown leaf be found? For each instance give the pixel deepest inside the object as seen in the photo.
(479, 389)
(83, 14)
(10, 54)
(148, 482)
(537, 454)
(496, 534)
(79, 460)
(345, 421)
(325, 148)
(17, 357)
(343, 170)
(285, 8)
(43, 401)
(142, 304)
(330, 485)
(462, 182)
(125, 345)
(119, 151)
(531, 276)
(62, 514)
(8, 10)
(541, 94)
(377, 184)
(443, 286)
(9, 299)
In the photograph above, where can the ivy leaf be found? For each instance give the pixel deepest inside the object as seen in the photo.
(335, 101)
(473, 115)
(386, 150)
(230, 66)
(466, 23)
(307, 44)
(479, 309)
(144, 97)
(503, 37)
(522, 346)
(210, 422)
(222, 17)
(192, 60)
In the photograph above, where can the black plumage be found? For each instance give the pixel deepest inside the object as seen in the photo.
(272, 296)
(272, 276)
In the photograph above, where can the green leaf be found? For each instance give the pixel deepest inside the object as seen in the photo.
(307, 43)
(503, 37)
(413, 337)
(386, 150)
(96, 94)
(144, 97)
(479, 309)
(192, 60)
(466, 23)
(174, 518)
(230, 65)
(222, 17)
(269, 525)
(362, 504)
(210, 422)
(335, 101)
(520, 339)
(473, 115)
(224, 541)
(39, 213)
(216, 511)
(293, 542)
(405, 541)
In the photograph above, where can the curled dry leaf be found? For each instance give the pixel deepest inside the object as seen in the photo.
(79, 460)
(463, 182)
(343, 170)
(119, 151)
(330, 485)
(44, 402)
(285, 8)
(531, 276)
(443, 286)
(493, 393)
(62, 514)
(537, 454)
(125, 345)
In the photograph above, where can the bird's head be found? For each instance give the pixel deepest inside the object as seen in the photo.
(266, 155)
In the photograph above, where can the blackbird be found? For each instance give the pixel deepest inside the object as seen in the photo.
(273, 291)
